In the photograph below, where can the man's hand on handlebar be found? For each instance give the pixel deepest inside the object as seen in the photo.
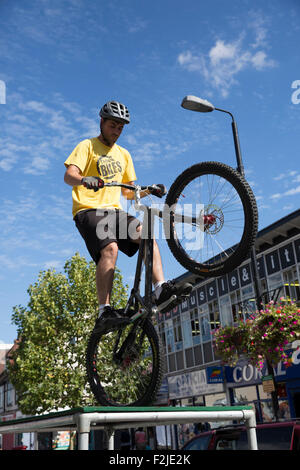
(92, 182)
(158, 190)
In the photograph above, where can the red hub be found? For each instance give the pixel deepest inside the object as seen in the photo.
(209, 219)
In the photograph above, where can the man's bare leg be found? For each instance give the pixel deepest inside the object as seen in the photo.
(105, 272)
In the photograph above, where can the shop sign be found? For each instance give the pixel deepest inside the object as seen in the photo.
(191, 384)
(246, 374)
(223, 285)
(245, 275)
(193, 300)
(272, 262)
(261, 267)
(287, 257)
(233, 280)
(184, 306)
(211, 289)
(201, 294)
(297, 249)
(268, 384)
(214, 375)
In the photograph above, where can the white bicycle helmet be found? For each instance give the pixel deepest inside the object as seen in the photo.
(116, 111)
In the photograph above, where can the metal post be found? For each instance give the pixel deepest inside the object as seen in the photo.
(251, 429)
(109, 433)
(83, 427)
(258, 296)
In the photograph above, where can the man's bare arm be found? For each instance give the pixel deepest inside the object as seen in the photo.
(73, 176)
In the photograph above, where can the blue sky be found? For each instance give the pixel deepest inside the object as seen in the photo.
(60, 60)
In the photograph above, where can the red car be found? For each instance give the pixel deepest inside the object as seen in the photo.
(270, 436)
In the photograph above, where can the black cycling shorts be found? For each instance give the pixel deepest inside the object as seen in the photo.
(100, 227)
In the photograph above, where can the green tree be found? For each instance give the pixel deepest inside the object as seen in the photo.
(48, 368)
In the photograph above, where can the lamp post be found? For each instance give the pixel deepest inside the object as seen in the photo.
(193, 103)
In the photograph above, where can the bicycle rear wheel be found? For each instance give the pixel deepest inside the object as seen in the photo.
(127, 375)
(213, 219)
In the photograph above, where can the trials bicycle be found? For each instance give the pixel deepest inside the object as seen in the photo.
(125, 366)
(210, 222)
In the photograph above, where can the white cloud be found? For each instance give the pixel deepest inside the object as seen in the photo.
(293, 191)
(137, 25)
(289, 192)
(49, 131)
(260, 61)
(222, 51)
(223, 62)
(288, 175)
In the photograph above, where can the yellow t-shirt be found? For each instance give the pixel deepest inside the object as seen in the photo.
(109, 163)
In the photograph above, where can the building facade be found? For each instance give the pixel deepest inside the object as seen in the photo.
(9, 406)
(193, 373)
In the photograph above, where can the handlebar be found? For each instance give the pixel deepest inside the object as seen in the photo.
(183, 218)
(157, 190)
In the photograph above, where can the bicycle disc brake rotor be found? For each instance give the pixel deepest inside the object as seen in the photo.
(213, 219)
(131, 356)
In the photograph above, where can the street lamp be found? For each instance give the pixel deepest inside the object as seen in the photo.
(193, 103)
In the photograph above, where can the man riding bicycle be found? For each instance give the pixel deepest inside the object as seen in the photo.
(99, 216)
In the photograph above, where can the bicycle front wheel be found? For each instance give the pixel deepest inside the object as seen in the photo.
(125, 369)
(213, 219)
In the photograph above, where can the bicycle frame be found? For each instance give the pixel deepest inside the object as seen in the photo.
(145, 255)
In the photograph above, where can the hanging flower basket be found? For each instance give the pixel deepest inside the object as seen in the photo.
(230, 342)
(264, 336)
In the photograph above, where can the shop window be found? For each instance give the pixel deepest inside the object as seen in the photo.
(179, 360)
(275, 281)
(217, 399)
(170, 343)
(172, 362)
(195, 322)
(177, 333)
(214, 315)
(205, 328)
(186, 330)
(225, 309)
(291, 285)
(245, 395)
(207, 350)
(189, 357)
(198, 355)
(1, 397)
(9, 394)
(195, 326)
(237, 312)
(162, 334)
(199, 400)
(247, 308)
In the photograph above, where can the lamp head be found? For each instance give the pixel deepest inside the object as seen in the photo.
(193, 103)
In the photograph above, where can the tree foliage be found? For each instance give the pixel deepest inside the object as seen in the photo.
(48, 368)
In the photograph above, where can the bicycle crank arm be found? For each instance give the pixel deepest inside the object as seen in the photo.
(166, 303)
